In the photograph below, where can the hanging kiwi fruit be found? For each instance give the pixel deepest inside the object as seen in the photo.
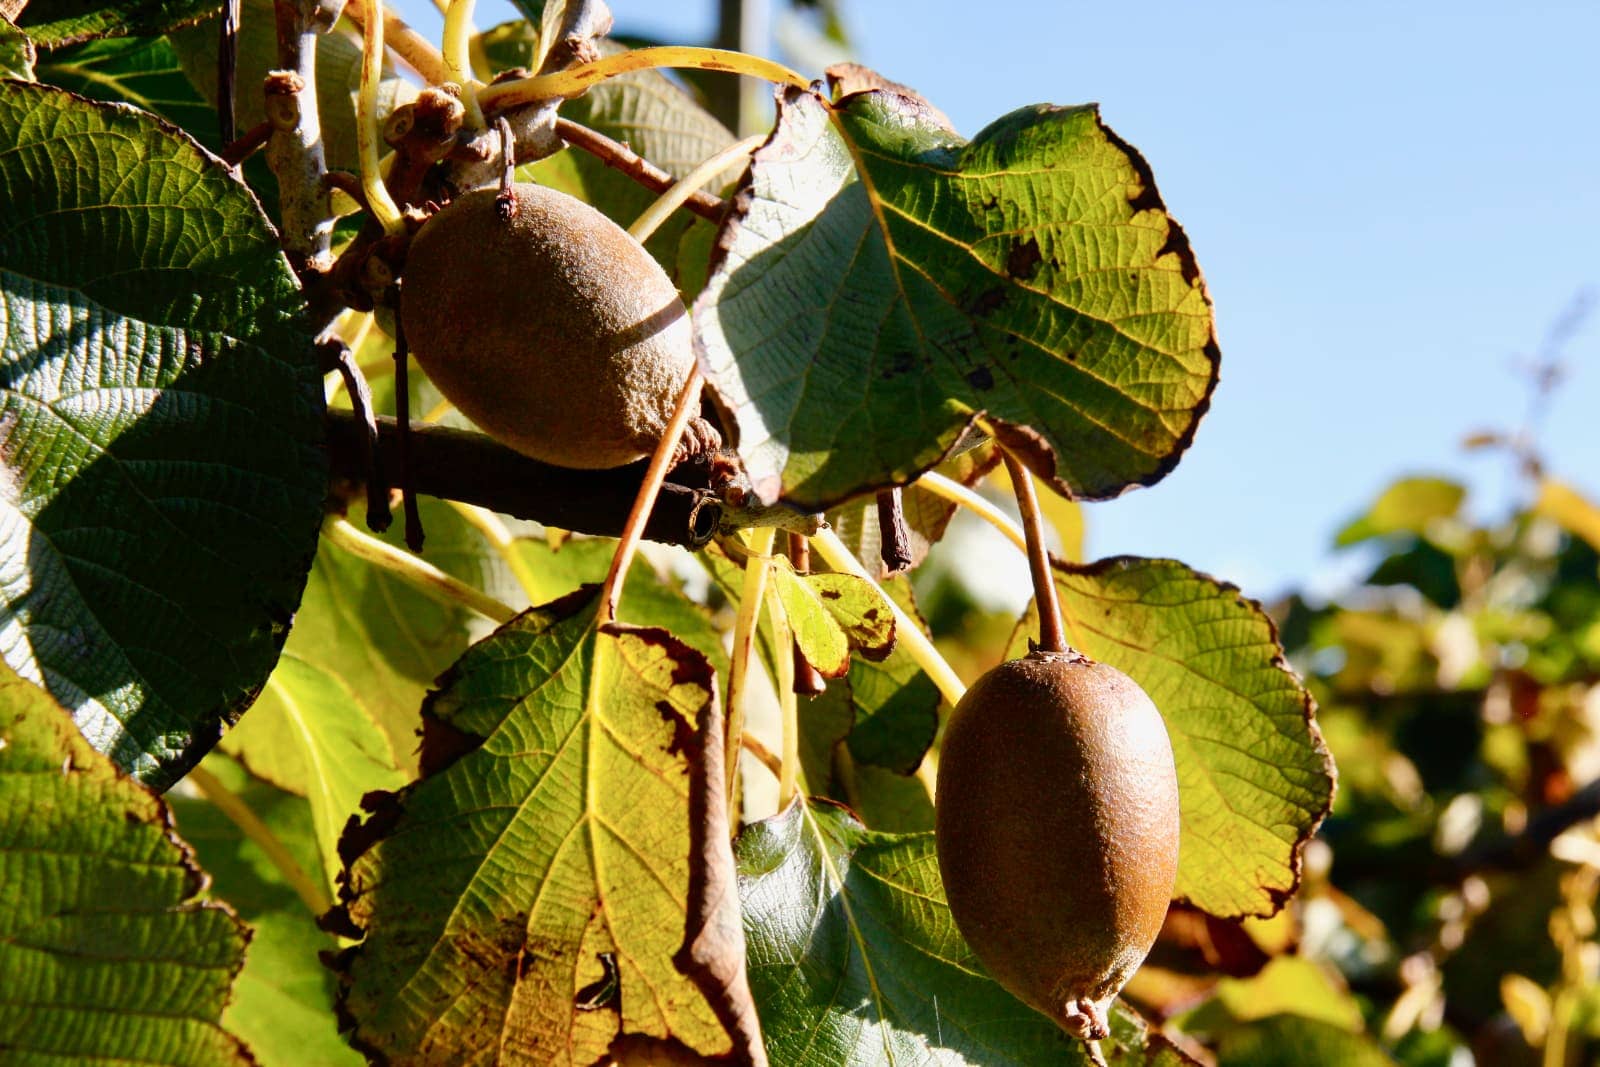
(548, 326)
(1057, 820)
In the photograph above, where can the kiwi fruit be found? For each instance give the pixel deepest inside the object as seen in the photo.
(1057, 830)
(551, 329)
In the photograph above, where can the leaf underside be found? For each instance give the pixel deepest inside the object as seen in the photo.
(881, 284)
(527, 899)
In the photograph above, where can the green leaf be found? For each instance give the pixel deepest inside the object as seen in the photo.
(282, 1003)
(16, 52)
(107, 952)
(1254, 777)
(309, 735)
(1295, 1041)
(1031, 275)
(1410, 505)
(854, 957)
(383, 640)
(58, 23)
(161, 427)
(142, 71)
(831, 614)
(533, 889)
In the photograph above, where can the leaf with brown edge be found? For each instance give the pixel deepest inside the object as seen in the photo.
(1254, 776)
(880, 286)
(560, 876)
(106, 950)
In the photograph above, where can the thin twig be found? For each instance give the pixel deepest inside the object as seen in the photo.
(688, 404)
(976, 502)
(294, 151)
(337, 353)
(742, 657)
(413, 48)
(762, 753)
(402, 415)
(620, 157)
(1052, 635)
(227, 69)
(894, 539)
(242, 148)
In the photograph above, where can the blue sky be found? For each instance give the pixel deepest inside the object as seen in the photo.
(1392, 205)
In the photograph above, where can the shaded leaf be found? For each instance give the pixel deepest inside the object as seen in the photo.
(57, 23)
(142, 71)
(16, 52)
(531, 892)
(97, 890)
(282, 1003)
(160, 427)
(308, 734)
(854, 957)
(1410, 505)
(1030, 274)
(1254, 777)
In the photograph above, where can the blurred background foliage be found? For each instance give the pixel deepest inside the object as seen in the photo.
(1447, 912)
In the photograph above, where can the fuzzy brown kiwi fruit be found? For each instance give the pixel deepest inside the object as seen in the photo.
(552, 330)
(1057, 829)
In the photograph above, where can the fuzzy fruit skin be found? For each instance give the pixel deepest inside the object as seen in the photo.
(553, 331)
(1057, 829)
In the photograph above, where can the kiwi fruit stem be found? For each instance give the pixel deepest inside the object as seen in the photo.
(960, 495)
(416, 572)
(654, 475)
(1052, 636)
(680, 191)
(368, 135)
(575, 80)
(758, 541)
(788, 703)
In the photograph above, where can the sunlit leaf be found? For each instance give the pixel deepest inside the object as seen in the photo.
(1254, 777)
(830, 614)
(16, 52)
(282, 1002)
(1410, 505)
(854, 957)
(529, 896)
(309, 734)
(160, 413)
(1570, 509)
(107, 953)
(881, 284)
